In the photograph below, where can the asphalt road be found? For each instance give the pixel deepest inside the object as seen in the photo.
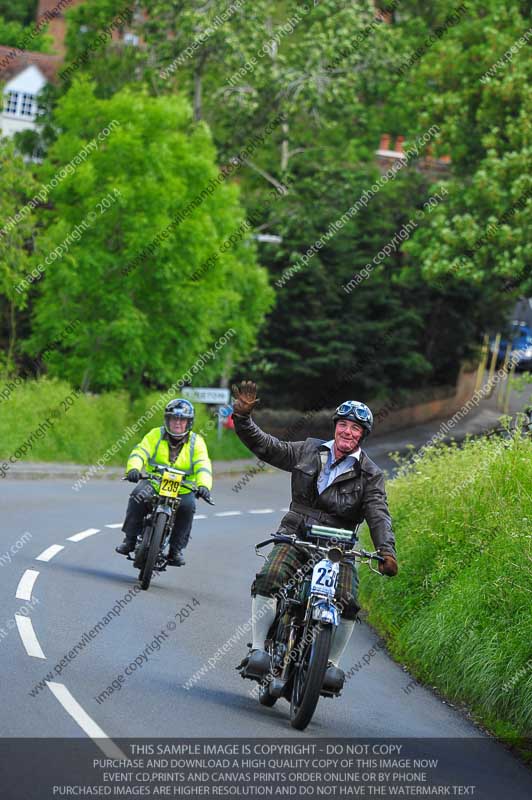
(79, 585)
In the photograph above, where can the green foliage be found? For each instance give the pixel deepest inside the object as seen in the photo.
(92, 51)
(21, 11)
(336, 72)
(148, 326)
(17, 187)
(84, 432)
(15, 34)
(387, 329)
(480, 94)
(459, 610)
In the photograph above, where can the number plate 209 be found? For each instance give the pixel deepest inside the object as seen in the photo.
(170, 484)
(325, 577)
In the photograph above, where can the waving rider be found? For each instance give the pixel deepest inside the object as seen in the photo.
(334, 483)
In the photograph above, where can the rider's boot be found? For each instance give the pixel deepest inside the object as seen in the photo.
(257, 662)
(255, 665)
(334, 676)
(175, 558)
(127, 546)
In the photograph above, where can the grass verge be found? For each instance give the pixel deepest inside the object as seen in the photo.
(84, 429)
(459, 613)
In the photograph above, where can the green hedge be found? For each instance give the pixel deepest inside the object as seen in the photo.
(82, 432)
(459, 613)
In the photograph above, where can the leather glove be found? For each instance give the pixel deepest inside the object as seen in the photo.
(389, 565)
(204, 493)
(245, 398)
(133, 476)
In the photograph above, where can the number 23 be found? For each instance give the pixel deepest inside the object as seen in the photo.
(330, 580)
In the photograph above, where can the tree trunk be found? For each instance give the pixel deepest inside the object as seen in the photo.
(12, 335)
(284, 147)
(197, 92)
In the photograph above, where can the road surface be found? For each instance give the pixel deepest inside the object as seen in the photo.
(62, 578)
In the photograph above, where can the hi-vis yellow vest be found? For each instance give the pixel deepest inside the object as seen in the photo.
(193, 457)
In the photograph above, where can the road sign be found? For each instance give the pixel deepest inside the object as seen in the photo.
(207, 395)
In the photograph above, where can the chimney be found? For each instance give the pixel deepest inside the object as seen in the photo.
(399, 144)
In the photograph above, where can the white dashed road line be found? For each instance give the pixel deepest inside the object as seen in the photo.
(27, 634)
(77, 537)
(114, 525)
(261, 511)
(25, 584)
(50, 552)
(86, 723)
(227, 513)
(200, 516)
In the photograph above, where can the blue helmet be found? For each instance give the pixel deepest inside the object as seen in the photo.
(357, 412)
(180, 409)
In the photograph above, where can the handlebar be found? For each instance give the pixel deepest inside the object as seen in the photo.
(278, 538)
(187, 484)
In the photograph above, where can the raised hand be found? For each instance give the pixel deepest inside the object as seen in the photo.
(245, 398)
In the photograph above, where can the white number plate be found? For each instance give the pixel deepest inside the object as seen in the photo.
(325, 577)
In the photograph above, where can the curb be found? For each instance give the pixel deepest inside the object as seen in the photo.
(28, 471)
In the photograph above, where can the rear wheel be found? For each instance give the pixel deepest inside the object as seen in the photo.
(309, 675)
(153, 551)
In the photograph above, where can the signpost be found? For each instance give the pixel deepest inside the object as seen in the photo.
(213, 396)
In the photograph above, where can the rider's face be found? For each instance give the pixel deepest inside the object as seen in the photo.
(177, 425)
(347, 435)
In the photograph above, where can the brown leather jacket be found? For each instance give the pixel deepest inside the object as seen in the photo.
(352, 497)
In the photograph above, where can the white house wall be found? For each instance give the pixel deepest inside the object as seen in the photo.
(30, 81)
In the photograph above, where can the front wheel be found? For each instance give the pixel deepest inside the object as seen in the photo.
(153, 552)
(142, 548)
(309, 675)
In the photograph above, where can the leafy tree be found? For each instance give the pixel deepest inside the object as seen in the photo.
(94, 50)
(145, 320)
(22, 11)
(390, 330)
(279, 57)
(339, 77)
(13, 34)
(482, 101)
(17, 187)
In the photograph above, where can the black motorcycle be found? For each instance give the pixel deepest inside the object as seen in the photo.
(299, 639)
(158, 523)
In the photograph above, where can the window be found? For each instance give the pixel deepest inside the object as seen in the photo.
(131, 38)
(11, 102)
(27, 106)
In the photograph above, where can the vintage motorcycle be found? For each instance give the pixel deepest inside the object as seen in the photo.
(149, 554)
(299, 639)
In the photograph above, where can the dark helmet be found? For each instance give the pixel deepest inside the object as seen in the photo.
(182, 409)
(357, 412)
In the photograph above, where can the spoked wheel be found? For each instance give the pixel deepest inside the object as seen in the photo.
(308, 678)
(153, 551)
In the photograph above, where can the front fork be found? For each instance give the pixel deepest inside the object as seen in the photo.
(164, 507)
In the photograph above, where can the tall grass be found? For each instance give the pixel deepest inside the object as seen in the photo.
(459, 613)
(93, 423)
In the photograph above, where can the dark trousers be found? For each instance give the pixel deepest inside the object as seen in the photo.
(138, 505)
